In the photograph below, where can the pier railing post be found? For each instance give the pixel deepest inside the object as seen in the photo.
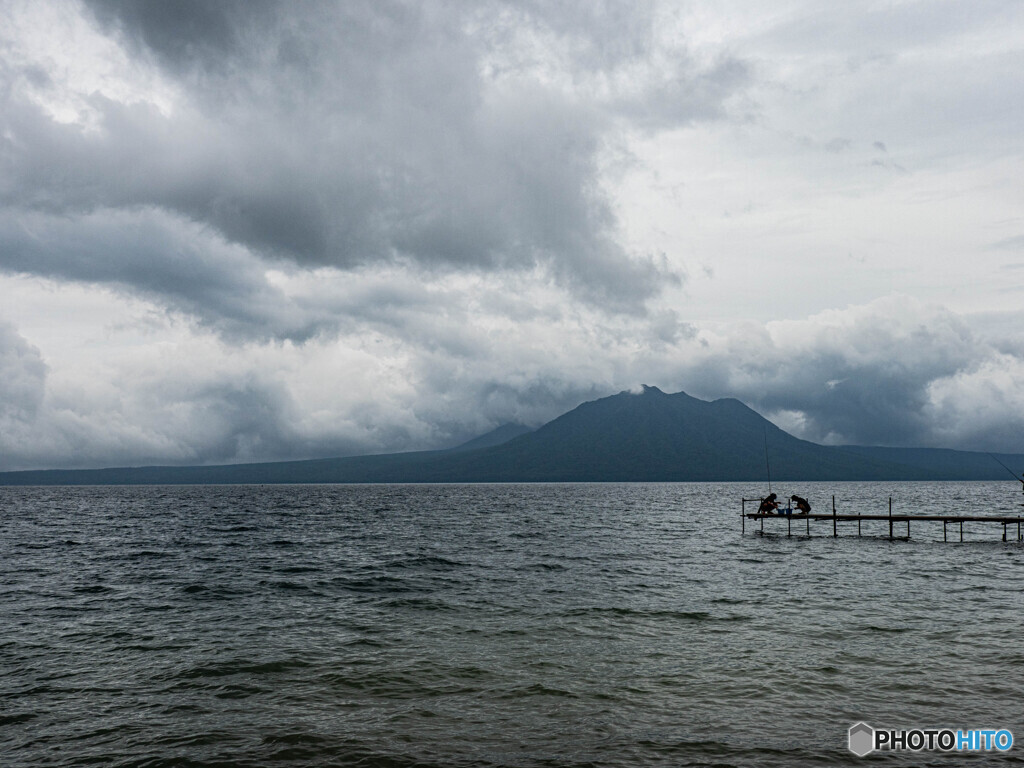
(743, 516)
(835, 531)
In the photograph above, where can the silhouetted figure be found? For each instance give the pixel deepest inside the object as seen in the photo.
(768, 505)
(802, 505)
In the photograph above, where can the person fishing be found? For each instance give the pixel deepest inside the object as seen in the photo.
(803, 505)
(768, 504)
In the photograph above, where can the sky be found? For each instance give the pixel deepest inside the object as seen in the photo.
(248, 230)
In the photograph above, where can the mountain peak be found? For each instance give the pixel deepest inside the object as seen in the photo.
(644, 390)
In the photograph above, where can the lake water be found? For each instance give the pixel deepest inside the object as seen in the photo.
(497, 625)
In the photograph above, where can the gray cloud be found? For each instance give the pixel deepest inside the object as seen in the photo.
(175, 263)
(187, 33)
(394, 225)
(868, 376)
(178, 410)
(354, 134)
(22, 378)
(837, 145)
(423, 368)
(1008, 244)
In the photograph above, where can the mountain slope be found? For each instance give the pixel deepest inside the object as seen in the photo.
(964, 465)
(497, 436)
(646, 436)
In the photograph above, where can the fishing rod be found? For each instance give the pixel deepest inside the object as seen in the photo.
(997, 461)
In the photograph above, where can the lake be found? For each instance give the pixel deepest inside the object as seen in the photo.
(497, 625)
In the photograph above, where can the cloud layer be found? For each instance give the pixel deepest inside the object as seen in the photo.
(252, 230)
(334, 135)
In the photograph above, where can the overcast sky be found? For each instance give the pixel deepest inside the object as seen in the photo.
(248, 230)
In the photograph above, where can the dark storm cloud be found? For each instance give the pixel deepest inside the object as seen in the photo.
(145, 253)
(868, 377)
(353, 134)
(186, 33)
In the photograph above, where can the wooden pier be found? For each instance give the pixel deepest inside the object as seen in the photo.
(836, 518)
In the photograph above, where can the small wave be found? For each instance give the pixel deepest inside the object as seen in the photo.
(155, 648)
(690, 616)
(888, 630)
(300, 569)
(289, 586)
(241, 667)
(379, 584)
(426, 561)
(544, 567)
(92, 589)
(20, 717)
(538, 689)
(237, 691)
(419, 603)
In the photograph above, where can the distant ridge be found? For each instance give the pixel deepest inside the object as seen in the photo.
(642, 437)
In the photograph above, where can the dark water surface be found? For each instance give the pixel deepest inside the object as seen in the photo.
(496, 625)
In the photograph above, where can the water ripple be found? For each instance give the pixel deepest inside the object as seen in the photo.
(493, 625)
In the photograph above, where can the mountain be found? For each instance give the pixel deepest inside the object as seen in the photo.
(653, 436)
(963, 465)
(644, 436)
(498, 436)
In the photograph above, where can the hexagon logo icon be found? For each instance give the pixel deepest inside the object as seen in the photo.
(862, 739)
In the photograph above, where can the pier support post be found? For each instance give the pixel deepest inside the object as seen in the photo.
(809, 524)
(743, 516)
(944, 530)
(835, 531)
(789, 527)
(1004, 531)
(961, 530)
(890, 518)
